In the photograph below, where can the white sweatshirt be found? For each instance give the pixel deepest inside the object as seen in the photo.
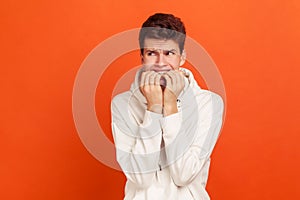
(166, 158)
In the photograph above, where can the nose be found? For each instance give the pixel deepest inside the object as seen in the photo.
(161, 61)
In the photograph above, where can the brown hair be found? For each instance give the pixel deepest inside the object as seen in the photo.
(163, 26)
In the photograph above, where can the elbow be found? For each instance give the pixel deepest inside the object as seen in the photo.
(137, 177)
(140, 181)
(137, 170)
(184, 176)
(181, 181)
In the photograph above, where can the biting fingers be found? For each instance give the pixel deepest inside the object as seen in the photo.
(148, 78)
(172, 77)
(180, 77)
(157, 79)
(142, 82)
(168, 80)
(152, 79)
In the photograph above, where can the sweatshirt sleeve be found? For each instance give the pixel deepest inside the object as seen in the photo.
(190, 136)
(137, 144)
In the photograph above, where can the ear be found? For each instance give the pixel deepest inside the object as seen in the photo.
(182, 58)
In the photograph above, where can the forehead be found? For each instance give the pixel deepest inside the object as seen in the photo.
(151, 43)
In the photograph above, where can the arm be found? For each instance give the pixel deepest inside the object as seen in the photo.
(190, 136)
(137, 145)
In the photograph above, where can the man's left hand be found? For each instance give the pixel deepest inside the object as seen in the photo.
(174, 86)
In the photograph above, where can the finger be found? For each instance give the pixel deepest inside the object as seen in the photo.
(157, 79)
(179, 79)
(172, 76)
(152, 78)
(181, 73)
(181, 82)
(168, 81)
(142, 82)
(182, 77)
(146, 80)
(175, 75)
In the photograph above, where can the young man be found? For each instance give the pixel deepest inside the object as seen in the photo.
(165, 126)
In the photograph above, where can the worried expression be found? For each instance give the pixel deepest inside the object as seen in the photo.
(161, 55)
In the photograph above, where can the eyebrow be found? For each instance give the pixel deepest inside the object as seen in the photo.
(160, 50)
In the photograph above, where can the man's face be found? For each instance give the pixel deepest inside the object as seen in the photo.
(161, 55)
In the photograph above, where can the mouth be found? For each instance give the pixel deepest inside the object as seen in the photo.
(161, 71)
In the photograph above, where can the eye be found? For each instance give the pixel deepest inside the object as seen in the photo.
(170, 53)
(151, 53)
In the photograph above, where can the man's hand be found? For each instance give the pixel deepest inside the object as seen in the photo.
(174, 86)
(151, 89)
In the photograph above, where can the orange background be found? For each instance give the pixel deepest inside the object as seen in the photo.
(254, 44)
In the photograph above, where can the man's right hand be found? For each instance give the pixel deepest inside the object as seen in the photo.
(175, 84)
(151, 89)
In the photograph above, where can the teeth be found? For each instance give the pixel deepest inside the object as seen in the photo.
(162, 72)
